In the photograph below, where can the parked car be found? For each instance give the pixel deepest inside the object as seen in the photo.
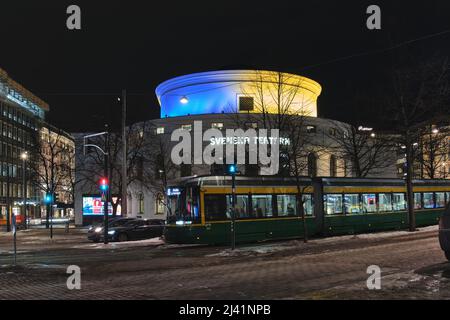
(444, 232)
(138, 229)
(95, 232)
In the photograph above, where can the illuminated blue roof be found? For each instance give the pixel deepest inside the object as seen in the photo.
(218, 91)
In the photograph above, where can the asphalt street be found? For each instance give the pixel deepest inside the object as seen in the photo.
(412, 267)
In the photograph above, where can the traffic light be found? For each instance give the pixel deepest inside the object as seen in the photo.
(48, 199)
(56, 197)
(104, 185)
(232, 169)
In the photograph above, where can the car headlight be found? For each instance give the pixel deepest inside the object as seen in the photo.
(90, 228)
(98, 230)
(111, 232)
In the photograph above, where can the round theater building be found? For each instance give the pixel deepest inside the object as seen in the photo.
(240, 99)
(191, 105)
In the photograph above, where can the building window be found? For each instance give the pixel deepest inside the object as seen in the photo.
(311, 129)
(333, 165)
(217, 125)
(312, 165)
(246, 103)
(159, 204)
(141, 203)
(187, 127)
(160, 130)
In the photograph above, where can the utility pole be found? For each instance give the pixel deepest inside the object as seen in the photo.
(8, 201)
(124, 210)
(24, 157)
(232, 170)
(103, 185)
(106, 198)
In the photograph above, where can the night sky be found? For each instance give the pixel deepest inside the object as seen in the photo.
(138, 44)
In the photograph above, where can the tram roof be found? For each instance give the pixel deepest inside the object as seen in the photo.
(272, 180)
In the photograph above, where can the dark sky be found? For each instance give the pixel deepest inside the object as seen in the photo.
(137, 44)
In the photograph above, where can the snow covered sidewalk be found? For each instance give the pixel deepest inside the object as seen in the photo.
(271, 247)
(121, 245)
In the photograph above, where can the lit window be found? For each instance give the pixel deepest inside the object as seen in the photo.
(159, 203)
(141, 203)
(217, 125)
(160, 130)
(311, 129)
(187, 127)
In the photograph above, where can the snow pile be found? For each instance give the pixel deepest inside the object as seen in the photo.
(266, 248)
(120, 245)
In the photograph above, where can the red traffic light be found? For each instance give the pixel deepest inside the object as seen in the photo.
(104, 184)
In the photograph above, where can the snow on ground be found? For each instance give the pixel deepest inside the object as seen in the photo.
(119, 245)
(264, 248)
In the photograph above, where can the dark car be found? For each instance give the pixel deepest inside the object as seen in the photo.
(95, 232)
(137, 229)
(444, 232)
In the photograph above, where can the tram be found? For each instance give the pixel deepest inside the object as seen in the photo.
(199, 208)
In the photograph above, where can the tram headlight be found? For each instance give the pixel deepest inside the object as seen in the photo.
(182, 223)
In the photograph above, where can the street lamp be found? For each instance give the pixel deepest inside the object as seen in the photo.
(24, 157)
(184, 100)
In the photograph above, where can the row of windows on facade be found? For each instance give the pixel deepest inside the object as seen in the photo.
(17, 134)
(10, 151)
(220, 126)
(15, 114)
(186, 169)
(219, 206)
(15, 190)
(159, 204)
(12, 170)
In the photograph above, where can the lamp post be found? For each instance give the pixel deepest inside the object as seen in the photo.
(24, 157)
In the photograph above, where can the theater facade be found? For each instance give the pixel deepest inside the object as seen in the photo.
(238, 99)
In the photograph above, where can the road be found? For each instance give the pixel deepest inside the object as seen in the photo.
(412, 267)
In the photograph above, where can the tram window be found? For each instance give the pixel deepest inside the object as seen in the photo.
(399, 202)
(308, 204)
(262, 206)
(440, 199)
(385, 202)
(215, 207)
(351, 203)
(448, 197)
(286, 204)
(369, 201)
(417, 200)
(334, 204)
(428, 200)
(241, 207)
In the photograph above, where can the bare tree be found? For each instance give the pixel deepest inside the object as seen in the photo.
(433, 150)
(364, 152)
(158, 168)
(419, 97)
(280, 103)
(91, 166)
(50, 165)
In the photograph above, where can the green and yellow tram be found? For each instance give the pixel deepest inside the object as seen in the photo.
(265, 209)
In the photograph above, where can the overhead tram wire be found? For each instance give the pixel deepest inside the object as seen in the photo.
(351, 56)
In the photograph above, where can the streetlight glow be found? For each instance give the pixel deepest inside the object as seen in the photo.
(184, 100)
(24, 155)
